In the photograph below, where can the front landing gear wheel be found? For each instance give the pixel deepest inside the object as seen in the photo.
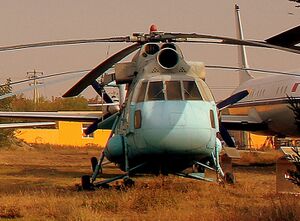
(128, 182)
(86, 183)
(229, 178)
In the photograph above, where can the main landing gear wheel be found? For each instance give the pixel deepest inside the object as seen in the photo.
(86, 183)
(229, 178)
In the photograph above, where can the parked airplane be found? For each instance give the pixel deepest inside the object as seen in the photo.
(273, 104)
(169, 120)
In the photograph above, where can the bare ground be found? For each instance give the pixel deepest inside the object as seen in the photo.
(40, 184)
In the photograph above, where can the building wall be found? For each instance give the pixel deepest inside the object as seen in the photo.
(68, 133)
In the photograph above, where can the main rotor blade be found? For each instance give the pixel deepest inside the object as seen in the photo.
(184, 37)
(226, 136)
(223, 104)
(232, 99)
(101, 91)
(64, 42)
(106, 123)
(99, 70)
(288, 38)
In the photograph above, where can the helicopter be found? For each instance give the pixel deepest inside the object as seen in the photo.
(167, 119)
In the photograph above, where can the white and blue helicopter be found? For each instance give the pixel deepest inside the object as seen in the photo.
(168, 120)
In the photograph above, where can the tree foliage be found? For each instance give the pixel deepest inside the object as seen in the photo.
(20, 103)
(5, 105)
(294, 175)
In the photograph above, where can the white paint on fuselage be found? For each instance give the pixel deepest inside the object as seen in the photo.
(268, 98)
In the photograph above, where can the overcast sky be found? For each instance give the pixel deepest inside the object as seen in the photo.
(33, 21)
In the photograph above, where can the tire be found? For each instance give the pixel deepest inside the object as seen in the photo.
(86, 182)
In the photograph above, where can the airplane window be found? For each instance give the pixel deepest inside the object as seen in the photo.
(173, 90)
(191, 91)
(155, 91)
(142, 92)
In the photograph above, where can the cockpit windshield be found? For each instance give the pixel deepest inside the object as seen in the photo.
(169, 90)
(191, 91)
(173, 90)
(155, 91)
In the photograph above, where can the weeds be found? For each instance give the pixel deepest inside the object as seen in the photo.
(47, 192)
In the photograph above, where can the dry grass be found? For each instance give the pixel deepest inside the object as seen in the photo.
(39, 184)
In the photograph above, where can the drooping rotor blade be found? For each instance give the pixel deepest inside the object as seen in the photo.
(99, 70)
(106, 123)
(287, 39)
(64, 42)
(253, 70)
(232, 99)
(226, 136)
(54, 116)
(203, 38)
(27, 124)
(100, 90)
(223, 104)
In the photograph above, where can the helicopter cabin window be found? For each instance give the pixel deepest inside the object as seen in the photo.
(137, 119)
(155, 91)
(142, 92)
(173, 90)
(191, 91)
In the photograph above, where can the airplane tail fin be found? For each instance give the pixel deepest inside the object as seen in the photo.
(244, 75)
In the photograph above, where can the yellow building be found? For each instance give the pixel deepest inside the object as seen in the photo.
(71, 134)
(66, 133)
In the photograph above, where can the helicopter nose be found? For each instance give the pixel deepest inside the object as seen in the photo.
(184, 130)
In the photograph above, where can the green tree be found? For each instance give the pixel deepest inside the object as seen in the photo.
(20, 103)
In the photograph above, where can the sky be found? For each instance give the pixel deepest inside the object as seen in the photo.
(34, 21)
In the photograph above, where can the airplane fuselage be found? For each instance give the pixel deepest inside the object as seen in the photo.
(268, 101)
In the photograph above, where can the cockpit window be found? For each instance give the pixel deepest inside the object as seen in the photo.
(173, 90)
(142, 92)
(155, 91)
(191, 91)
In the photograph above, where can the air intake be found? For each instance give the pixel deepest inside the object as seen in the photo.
(167, 58)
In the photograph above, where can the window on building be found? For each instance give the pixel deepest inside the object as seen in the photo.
(84, 127)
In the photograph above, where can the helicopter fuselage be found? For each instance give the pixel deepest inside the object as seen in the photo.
(170, 118)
